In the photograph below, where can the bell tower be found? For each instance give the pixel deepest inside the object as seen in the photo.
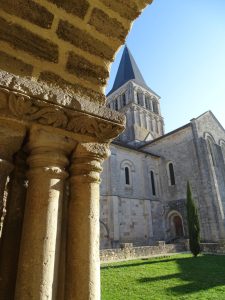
(141, 105)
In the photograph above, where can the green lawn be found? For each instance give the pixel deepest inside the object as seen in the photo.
(174, 277)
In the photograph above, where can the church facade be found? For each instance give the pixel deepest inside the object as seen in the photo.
(143, 189)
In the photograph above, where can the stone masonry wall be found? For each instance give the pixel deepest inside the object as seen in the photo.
(64, 43)
(126, 209)
(128, 253)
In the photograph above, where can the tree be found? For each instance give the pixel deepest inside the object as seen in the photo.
(193, 223)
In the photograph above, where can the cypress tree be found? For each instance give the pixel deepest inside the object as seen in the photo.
(193, 223)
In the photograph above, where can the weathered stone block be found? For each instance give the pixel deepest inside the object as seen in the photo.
(83, 68)
(27, 41)
(83, 40)
(28, 10)
(127, 9)
(76, 7)
(89, 94)
(14, 65)
(106, 25)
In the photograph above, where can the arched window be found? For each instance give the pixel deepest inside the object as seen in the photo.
(124, 99)
(155, 107)
(210, 144)
(139, 97)
(116, 104)
(157, 126)
(171, 174)
(127, 175)
(147, 102)
(222, 145)
(153, 183)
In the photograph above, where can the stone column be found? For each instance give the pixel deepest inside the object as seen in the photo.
(11, 235)
(5, 169)
(135, 96)
(11, 138)
(39, 251)
(83, 264)
(143, 100)
(151, 105)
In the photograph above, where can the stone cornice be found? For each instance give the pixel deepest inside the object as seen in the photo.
(19, 106)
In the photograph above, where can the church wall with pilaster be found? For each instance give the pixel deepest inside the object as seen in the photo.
(126, 209)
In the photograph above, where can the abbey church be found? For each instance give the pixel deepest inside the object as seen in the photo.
(143, 189)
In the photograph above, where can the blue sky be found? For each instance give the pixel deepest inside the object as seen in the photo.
(179, 46)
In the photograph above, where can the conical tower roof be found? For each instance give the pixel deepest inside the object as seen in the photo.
(128, 70)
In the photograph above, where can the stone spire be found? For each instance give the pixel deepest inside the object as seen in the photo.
(130, 94)
(128, 70)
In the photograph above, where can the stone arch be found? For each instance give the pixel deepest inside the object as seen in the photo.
(222, 143)
(209, 136)
(76, 42)
(127, 163)
(175, 225)
(210, 141)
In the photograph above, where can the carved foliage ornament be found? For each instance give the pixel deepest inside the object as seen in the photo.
(28, 109)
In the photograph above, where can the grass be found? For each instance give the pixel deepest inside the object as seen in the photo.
(174, 277)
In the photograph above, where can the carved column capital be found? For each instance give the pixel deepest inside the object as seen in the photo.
(94, 150)
(86, 161)
(48, 152)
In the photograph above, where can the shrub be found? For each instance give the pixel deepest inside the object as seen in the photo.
(193, 223)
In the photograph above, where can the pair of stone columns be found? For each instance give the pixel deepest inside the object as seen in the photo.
(51, 158)
(11, 137)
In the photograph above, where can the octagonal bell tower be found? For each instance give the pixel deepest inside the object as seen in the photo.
(141, 105)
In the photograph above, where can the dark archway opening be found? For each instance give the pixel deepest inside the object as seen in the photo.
(178, 227)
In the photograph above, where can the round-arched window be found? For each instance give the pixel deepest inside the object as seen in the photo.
(171, 174)
(127, 175)
(152, 175)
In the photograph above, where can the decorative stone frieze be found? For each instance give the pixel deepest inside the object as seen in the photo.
(83, 268)
(28, 109)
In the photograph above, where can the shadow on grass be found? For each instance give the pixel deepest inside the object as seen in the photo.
(201, 273)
